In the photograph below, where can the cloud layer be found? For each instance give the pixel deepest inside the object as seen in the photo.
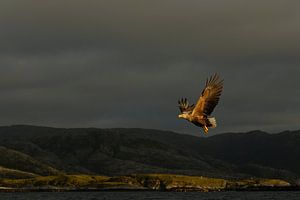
(125, 63)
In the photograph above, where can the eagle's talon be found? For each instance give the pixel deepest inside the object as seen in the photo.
(205, 129)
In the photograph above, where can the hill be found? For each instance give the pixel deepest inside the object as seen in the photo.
(119, 151)
(22, 163)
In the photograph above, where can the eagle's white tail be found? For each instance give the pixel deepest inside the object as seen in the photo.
(213, 122)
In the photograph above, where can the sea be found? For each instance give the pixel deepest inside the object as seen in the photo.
(228, 195)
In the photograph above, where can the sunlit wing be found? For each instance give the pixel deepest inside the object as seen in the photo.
(210, 96)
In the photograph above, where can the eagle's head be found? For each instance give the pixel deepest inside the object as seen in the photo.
(185, 116)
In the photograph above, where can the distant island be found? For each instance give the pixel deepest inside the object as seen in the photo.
(37, 158)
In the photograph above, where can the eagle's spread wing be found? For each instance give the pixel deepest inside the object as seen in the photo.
(210, 96)
(185, 107)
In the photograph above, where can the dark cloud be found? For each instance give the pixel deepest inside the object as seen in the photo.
(125, 63)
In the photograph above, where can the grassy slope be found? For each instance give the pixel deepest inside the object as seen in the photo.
(12, 173)
(16, 160)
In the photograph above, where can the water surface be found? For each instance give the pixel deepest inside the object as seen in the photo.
(269, 195)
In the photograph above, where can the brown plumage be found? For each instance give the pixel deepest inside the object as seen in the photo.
(199, 114)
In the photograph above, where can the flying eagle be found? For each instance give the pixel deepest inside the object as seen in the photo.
(199, 114)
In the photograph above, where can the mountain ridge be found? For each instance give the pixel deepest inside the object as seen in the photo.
(121, 151)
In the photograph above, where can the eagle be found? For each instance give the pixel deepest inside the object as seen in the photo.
(199, 114)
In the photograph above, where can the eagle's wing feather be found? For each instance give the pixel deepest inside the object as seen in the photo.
(184, 106)
(210, 96)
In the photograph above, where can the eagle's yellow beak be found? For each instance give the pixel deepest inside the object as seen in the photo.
(180, 116)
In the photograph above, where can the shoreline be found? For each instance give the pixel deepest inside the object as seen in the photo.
(250, 189)
(141, 183)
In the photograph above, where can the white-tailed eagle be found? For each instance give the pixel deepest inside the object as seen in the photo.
(199, 114)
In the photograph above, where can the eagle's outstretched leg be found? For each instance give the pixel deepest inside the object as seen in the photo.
(205, 129)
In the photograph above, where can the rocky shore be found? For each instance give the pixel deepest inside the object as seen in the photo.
(140, 182)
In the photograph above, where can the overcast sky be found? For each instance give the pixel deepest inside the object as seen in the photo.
(70, 63)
